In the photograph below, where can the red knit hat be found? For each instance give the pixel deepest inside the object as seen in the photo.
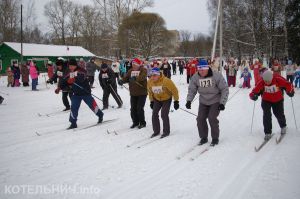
(137, 61)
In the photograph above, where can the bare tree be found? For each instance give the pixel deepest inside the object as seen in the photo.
(75, 24)
(185, 37)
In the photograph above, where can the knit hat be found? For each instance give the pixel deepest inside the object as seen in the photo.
(73, 62)
(246, 69)
(49, 63)
(137, 61)
(202, 65)
(155, 71)
(267, 76)
(59, 62)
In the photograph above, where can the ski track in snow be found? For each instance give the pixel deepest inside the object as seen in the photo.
(93, 157)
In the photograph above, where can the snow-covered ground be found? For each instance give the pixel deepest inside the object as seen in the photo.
(39, 159)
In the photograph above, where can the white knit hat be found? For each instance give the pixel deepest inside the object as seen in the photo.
(267, 76)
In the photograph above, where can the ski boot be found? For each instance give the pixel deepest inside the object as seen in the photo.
(214, 142)
(203, 141)
(72, 126)
(66, 109)
(283, 130)
(164, 135)
(134, 125)
(267, 137)
(142, 125)
(154, 135)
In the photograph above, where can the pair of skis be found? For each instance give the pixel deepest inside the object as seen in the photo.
(194, 148)
(278, 140)
(146, 141)
(52, 113)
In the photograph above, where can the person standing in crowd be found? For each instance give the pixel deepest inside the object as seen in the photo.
(17, 74)
(77, 79)
(174, 67)
(82, 63)
(25, 74)
(137, 79)
(61, 71)
(256, 68)
(34, 76)
(108, 83)
(231, 71)
(180, 66)
(91, 68)
(214, 93)
(290, 70)
(271, 89)
(10, 77)
(161, 90)
(122, 68)
(191, 69)
(166, 68)
(116, 68)
(50, 69)
(276, 68)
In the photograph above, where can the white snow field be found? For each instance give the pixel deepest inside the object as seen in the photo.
(40, 159)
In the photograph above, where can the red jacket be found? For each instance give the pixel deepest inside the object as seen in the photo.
(273, 92)
(191, 68)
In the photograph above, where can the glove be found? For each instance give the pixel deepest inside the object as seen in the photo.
(71, 80)
(120, 82)
(132, 79)
(151, 104)
(57, 91)
(291, 94)
(221, 107)
(254, 97)
(188, 105)
(176, 105)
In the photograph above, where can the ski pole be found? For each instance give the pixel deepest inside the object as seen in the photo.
(87, 92)
(233, 95)
(195, 98)
(294, 113)
(125, 87)
(188, 112)
(116, 94)
(252, 117)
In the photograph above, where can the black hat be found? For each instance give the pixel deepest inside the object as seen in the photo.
(73, 62)
(104, 65)
(59, 62)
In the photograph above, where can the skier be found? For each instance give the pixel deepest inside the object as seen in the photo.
(116, 68)
(276, 68)
(297, 77)
(166, 68)
(191, 69)
(290, 70)
(78, 80)
(270, 87)
(137, 79)
(213, 91)
(91, 68)
(108, 83)
(60, 73)
(174, 67)
(161, 90)
(247, 78)
(181, 66)
(256, 68)
(231, 71)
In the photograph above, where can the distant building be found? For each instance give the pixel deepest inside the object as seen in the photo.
(10, 51)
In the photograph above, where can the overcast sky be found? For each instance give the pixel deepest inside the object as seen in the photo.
(189, 15)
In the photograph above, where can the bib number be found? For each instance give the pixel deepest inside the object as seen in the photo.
(271, 89)
(205, 83)
(74, 74)
(104, 76)
(157, 89)
(135, 73)
(59, 73)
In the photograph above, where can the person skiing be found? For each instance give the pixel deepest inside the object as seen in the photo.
(166, 68)
(181, 66)
(174, 66)
(78, 80)
(191, 69)
(276, 67)
(246, 75)
(161, 90)
(91, 68)
(61, 71)
(271, 89)
(231, 71)
(290, 70)
(137, 79)
(214, 92)
(297, 77)
(108, 83)
(256, 68)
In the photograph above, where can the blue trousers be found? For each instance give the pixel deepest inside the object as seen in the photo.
(75, 104)
(297, 82)
(34, 83)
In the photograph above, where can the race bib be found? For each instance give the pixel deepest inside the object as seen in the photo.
(256, 66)
(157, 89)
(59, 73)
(205, 83)
(165, 66)
(135, 73)
(74, 74)
(104, 76)
(271, 89)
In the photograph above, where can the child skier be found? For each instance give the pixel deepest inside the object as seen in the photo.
(213, 91)
(108, 83)
(247, 78)
(161, 90)
(78, 80)
(271, 88)
(297, 77)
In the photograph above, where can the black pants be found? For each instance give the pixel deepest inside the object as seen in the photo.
(111, 90)
(137, 109)
(164, 106)
(91, 80)
(188, 78)
(278, 111)
(65, 100)
(290, 78)
(174, 71)
(181, 70)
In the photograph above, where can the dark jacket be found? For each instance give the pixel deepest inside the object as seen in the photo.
(59, 75)
(166, 68)
(106, 78)
(16, 71)
(138, 84)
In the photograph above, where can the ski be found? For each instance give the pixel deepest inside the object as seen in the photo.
(182, 155)
(137, 142)
(278, 140)
(150, 142)
(121, 131)
(200, 153)
(111, 132)
(51, 114)
(93, 125)
(263, 144)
